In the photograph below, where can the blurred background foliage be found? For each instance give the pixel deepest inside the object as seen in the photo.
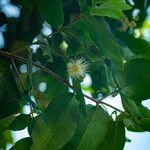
(21, 23)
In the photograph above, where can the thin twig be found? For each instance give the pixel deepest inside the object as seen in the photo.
(14, 65)
(51, 73)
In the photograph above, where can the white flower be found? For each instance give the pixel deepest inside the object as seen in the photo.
(77, 68)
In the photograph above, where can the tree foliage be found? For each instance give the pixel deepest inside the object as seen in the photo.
(49, 49)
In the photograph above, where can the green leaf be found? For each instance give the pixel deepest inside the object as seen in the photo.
(62, 114)
(23, 144)
(104, 41)
(110, 8)
(91, 130)
(131, 107)
(45, 46)
(137, 125)
(52, 12)
(145, 122)
(135, 79)
(20, 123)
(9, 93)
(5, 138)
(93, 53)
(80, 96)
(118, 140)
(75, 39)
(84, 4)
(144, 111)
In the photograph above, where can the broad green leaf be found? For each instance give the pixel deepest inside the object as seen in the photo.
(145, 124)
(91, 130)
(9, 93)
(118, 139)
(98, 75)
(23, 144)
(131, 107)
(20, 122)
(110, 8)
(52, 12)
(144, 111)
(103, 40)
(135, 79)
(62, 114)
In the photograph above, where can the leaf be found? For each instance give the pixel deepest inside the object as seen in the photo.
(62, 114)
(104, 41)
(93, 53)
(75, 39)
(110, 8)
(91, 130)
(135, 79)
(24, 144)
(130, 123)
(145, 122)
(144, 111)
(118, 140)
(84, 4)
(45, 46)
(9, 93)
(137, 125)
(20, 123)
(52, 12)
(131, 107)
(5, 138)
(4, 123)
(80, 96)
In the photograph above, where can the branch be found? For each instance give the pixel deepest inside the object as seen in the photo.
(14, 65)
(48, 37)
(54, 75)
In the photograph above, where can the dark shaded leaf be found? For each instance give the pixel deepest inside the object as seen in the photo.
(23, 144)
(104, 41)
(9, 93)
(62, 114)
(91, 130)
(20, 123)
(135, 79)
(52, 12)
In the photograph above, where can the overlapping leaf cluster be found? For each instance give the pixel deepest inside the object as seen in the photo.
(60, 119)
